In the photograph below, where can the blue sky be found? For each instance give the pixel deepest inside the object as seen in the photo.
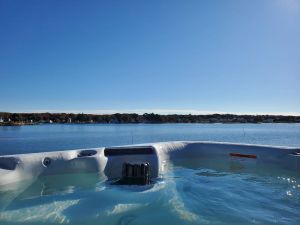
(162, 56)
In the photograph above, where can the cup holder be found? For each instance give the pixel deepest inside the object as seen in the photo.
(46, 162)
(86, 153)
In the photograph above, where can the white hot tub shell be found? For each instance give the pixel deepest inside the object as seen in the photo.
(109, 161)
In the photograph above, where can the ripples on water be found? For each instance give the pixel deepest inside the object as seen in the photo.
(181, 196)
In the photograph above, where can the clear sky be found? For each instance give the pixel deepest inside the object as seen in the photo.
(165, 56)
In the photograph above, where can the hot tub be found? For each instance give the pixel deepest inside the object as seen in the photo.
(191, 183)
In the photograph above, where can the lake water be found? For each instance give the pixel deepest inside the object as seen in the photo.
(54, 137)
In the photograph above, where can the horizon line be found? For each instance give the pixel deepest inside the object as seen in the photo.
(155, 111)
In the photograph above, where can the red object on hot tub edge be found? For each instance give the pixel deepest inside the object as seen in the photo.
(243, 155)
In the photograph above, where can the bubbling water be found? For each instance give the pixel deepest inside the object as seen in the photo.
(183, 195)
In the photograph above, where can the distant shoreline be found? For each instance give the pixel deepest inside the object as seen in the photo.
(35, 124)
(21, 119)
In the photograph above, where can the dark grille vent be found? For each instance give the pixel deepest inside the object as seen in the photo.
(135, 174)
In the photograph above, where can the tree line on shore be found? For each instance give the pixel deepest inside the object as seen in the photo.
(37, 118)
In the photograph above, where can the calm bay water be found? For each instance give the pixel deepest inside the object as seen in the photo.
(54, 137)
